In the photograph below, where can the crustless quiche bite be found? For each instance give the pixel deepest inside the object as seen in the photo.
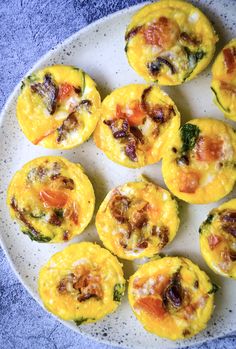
(169, 42)
(137, 220)
(136, 123)
(218, 239)
(51, 198)
(224, 80)
(58, 107)
(83, 283)
(171, 297)
(199, 164)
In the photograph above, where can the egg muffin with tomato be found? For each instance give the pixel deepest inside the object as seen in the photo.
(224, 80)
(218, 239)
(169, 42)
(137, 121)
(58, 107)
(82, 283)
(199, 163)
(137, 220)
(171, 297)
(51, 198)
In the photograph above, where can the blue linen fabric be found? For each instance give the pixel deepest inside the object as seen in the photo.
(28, 29)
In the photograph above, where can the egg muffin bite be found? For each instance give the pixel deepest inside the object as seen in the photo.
(58, 107)
(224, 80)
(51, 198)
(199, 163)
(137, 220)
(169, 42)
(171, 297)
(137, 121)
(83, 283)
(218, 239)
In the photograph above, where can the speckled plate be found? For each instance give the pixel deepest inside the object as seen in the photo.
(99, 50)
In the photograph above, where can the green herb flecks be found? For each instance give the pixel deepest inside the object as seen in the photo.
(38, 238)
(118, 292)
(80, 321)
(189, 134)
(208, 221)
(218, 100)
(214, 288)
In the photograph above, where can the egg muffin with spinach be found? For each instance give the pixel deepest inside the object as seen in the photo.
(137, 220)
(58, 107)
(171, 297)
(169, 42)
(51, 198)
(136, 124)
(199, 163)
(82, 283)
(224, 80)
(218, 239)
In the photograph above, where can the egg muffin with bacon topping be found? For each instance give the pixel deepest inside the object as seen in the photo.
(83, 283)
(51, 198)
(169, 42)
(137, 121)
(224, 80)
(171, 297)
(199, 163)
(58, 107)
(137, 220)
(218, 239)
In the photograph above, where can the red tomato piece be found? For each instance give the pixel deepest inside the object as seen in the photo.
(53, 198)
(134, 114)
(65, 90)
(208, 148)
(189, 182)
(152, 306)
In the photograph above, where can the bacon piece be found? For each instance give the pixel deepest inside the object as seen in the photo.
(189, 39)
(213, 240)
(228, 219)
(230, 58)
(130, 150)
(189, 181)
(68, 125)
(152, 306)
(142, 244)
(48, 91)
(118, 206)
(209, 148)
(137, 134)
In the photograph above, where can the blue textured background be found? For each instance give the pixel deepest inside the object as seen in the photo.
(28, 29)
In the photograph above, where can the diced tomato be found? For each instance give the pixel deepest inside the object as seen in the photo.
(163, 33)
(65, 90)
(213, 240)
(152, 306)
(208, 148)
(53, 198)
(134, 114)
(230, 58)
(189, 181)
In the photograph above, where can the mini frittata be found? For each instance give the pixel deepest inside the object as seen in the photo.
(51, 198)
(224, 80)
(58, 107)
(218, 239)
(83, 283)
(137, 121)
(171, 297)
(169, 42)
(137, 220)
(199, 164)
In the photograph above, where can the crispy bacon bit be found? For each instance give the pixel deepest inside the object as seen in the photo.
(213, 240)
(228, 87)
(119, 128)
(230, 58)
(118, 206)
(189, 39)
(163, 234)
(152, 306)
(134, 31)
(130, 150)
(228, 219)
(139, 217)
(65, 90)
(209, 148)
(55, 220)
(189, 182)
(163, 33)
(142, 244)
(137, 134)
(68, 125)
(48, 91)
(66, 235)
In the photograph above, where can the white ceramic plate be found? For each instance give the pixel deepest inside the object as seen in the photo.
(99, 50)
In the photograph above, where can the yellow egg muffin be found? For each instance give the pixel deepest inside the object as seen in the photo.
(83, 283)
(51, 198)
(137, 220)
(171, 297)
(199, 163)
(224, 80)
(218, 239)
(169, 42)
(58, 107)
(137, 121)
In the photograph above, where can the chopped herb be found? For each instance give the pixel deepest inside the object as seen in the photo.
(37, 215)
(214, 288)
(80, 321)
(32, 78)
(38, 238)
(206, 222)
(189, 134)
(193, 59)
(218, 100)
(59, 212)
(119, 291)
(22, 85)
